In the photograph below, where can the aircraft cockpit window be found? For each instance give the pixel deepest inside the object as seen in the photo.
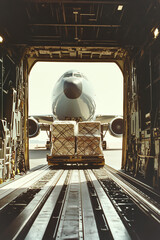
(77, 75)
(68, 75)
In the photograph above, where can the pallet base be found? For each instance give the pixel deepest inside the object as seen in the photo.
(78, 160)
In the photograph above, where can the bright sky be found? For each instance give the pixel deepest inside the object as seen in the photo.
(105, 78)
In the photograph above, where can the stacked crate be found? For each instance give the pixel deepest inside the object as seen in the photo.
(63, 138)
(89, 139)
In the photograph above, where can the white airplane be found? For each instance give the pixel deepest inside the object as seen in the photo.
(73, 99)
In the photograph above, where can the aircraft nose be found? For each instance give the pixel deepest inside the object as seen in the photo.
(73, 88)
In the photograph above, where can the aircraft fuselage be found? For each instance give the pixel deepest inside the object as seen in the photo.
(73, 98)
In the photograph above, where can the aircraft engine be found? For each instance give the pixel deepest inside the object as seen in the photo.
(34, 128)
(116, 127)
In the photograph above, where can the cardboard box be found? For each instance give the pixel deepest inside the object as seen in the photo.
(63, 146)
(89, 146)
(63, 129)
(89, 128)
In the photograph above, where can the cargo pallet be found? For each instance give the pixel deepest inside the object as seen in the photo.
(61, 160)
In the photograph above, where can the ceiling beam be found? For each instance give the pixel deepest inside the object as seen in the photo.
(123, 2)
(74, 25)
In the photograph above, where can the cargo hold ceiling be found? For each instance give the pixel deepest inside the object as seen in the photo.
(78, 28)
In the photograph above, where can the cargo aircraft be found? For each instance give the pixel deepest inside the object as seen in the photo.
(73, 99)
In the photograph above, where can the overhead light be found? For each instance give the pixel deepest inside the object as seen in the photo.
(92, 19)
(75, 12)
(87, 14)
(1, 39)
(156, 32)
(120, 7)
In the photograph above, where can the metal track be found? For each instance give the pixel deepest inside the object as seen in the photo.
(17, 187)
(140, 215)
(74, 204)
(22, 221)
(153, 195)
(149, 202)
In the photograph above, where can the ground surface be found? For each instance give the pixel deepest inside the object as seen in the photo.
(37, 157)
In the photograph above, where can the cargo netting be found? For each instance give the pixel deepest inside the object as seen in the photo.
(63, 129)
(63, 138)
(89, 146)
(63, 146)
(83, 138)
(89, 128)
(89, 139)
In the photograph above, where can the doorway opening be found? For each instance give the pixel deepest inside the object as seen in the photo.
(106, 79)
